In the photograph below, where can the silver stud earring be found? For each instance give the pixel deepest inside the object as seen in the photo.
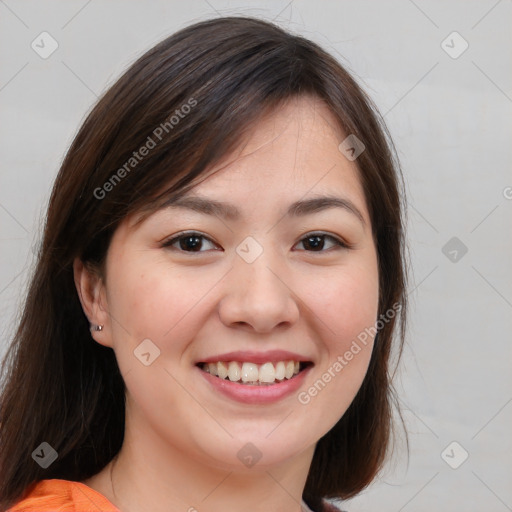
(96, 327)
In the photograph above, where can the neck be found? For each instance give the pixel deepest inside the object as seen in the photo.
(151, 474)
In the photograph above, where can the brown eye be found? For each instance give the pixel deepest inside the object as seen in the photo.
(193, 242)
(316, 242)
(188, 242)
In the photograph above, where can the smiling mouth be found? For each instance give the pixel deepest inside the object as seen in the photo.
(253, 374)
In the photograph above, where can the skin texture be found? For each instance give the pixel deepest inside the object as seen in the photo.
(182, 438)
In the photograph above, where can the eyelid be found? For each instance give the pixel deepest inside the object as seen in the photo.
(168, 241)
(341, 242)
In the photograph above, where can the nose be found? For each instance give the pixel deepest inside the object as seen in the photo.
(259, 296)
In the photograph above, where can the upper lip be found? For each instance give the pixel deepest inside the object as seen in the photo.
(252, 356)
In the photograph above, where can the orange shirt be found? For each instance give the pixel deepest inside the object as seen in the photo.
(68, 496)
(63, 496)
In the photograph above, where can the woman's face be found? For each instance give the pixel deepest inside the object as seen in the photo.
(263, 286)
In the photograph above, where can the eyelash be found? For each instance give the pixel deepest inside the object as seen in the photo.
(168, 243)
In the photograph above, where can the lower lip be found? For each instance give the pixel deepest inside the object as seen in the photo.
(249, 394)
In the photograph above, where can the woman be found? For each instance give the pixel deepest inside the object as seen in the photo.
(210, 320)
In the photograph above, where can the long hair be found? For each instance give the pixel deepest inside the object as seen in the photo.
(191, 99)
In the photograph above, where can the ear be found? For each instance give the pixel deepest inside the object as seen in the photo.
(92, 294)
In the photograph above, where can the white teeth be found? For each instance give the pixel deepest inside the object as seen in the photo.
(222, 369)
(247, 372)
(290, 366)
(234, 371)
(250, 372)
(267, 373)
(280, 370)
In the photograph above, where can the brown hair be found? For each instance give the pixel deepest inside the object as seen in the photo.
(64, 389)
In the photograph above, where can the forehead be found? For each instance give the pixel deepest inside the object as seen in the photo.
(290, 154)
(304, 121)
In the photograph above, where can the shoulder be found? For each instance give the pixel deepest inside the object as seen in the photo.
(57, 495)
(330, 507)
(325, 505)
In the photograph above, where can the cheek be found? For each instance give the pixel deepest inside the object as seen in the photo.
(347, 308)
(346, 302)
(156, 300)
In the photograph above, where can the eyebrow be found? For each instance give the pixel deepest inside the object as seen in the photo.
(228, 211)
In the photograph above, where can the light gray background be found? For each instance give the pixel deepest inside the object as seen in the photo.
(450, 119)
